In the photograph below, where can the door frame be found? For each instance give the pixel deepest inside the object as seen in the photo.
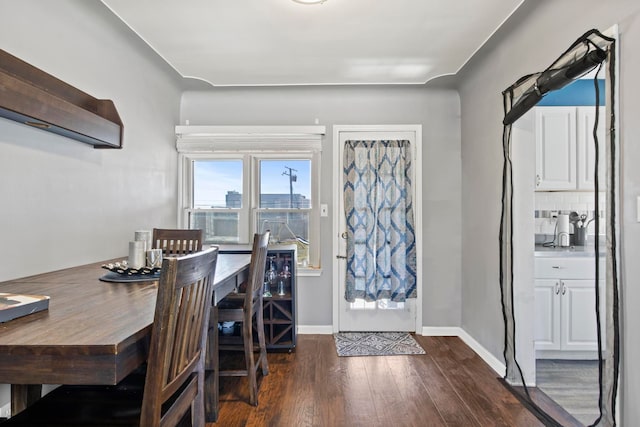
(417, 203)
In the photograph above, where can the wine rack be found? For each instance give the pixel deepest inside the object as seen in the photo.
(279, 302)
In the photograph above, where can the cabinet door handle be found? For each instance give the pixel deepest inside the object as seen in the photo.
(564, 288)
(537, 180)
(557, 288)
(555, 266)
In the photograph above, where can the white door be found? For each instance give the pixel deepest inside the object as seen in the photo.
(381, 315)
(556, 148)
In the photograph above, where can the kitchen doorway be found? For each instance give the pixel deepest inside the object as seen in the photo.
(572, 300)
(553, 286)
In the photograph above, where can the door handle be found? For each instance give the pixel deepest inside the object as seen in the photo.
(344, 235)
(537, 180)
(564, 288)
(557, 288)
(341, 256)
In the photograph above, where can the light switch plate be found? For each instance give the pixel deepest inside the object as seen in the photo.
(324, 210)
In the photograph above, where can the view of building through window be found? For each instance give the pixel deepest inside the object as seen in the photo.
(283, 200)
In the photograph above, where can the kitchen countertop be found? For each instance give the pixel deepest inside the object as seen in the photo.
(570, 251)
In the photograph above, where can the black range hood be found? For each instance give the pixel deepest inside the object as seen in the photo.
(29, 95)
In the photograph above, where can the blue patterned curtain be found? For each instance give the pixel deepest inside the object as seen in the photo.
(381, 252)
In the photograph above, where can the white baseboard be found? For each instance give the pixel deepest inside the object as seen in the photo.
(441, 331)
(315, 329)
(454, 331)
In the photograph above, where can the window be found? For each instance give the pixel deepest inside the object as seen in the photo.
(217, 199)
(381, 304)
(232, 193)
(285, 202)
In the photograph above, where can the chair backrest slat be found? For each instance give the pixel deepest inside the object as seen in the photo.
(254, 291)
(179, 335)
(175, 242)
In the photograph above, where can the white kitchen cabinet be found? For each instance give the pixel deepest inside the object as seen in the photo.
(555, 129)
(585, 149)
(578, 315)
(565, 152)
(547, 315)
(565, 300)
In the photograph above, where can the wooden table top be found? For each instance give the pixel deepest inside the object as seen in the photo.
(94, 332)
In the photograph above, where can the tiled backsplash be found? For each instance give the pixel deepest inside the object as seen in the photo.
(548, 204)
(567, 201)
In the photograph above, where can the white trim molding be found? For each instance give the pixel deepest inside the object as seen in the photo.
(209, 139)
(495, 364)
(314, 329)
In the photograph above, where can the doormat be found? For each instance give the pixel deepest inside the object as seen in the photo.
(376, 344)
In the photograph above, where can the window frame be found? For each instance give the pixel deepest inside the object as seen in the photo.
(186, 208)
(250, 144)
(314, 211)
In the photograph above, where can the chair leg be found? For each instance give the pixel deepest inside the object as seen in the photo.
(212, 371)
(262, 343)
(247, 337)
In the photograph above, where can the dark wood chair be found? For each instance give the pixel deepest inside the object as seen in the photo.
(246, 308)
(171, 393)
(174, 242)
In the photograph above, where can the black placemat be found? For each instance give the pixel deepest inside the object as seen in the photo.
(129, 278)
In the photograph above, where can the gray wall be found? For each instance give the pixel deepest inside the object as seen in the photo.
(531, 41)
(63, 202)
(437, 111)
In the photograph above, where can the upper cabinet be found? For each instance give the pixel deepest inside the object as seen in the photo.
(565, 151)
(586, 117)
(555, 129)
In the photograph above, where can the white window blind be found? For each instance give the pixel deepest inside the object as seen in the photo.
(238, 139)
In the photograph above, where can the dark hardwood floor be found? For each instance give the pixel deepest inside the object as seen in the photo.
(449, 386)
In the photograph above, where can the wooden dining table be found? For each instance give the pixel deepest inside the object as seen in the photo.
(94, 332)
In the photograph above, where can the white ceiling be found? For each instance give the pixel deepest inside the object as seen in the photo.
(280, 42)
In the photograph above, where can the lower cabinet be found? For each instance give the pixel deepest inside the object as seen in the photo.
(565, 310)
(565, 315)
